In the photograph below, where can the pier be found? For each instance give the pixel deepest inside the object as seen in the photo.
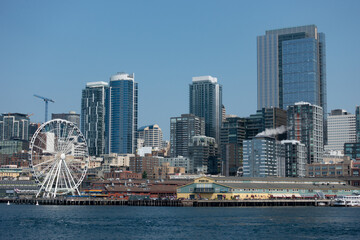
(174, 203)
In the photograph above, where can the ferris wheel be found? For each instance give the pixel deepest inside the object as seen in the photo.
(58, 158)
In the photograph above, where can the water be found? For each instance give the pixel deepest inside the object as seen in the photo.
(125, 222)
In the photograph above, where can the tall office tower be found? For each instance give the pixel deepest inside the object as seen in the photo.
(93, 116)
(292, 68)
(122, 114)
(295, 158)
(232, 136)
(203, 154)
(341, 129)
(71, 117)
(206, 101)
(223, 113)
(305, 124)
(152, 136)
(357, 114)
(14, 126)
(266, 118)
(263, 157)
(182, 129)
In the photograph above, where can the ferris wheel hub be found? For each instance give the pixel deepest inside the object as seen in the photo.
(62, 156)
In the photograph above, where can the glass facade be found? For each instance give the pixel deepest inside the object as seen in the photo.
(300, 67)
(93, 116)
(232, 136)
(291, 67)
(263, 157)
(182, 129)
(122, 114)
(206, 102)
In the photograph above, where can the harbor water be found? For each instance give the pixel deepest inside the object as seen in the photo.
(129, 222)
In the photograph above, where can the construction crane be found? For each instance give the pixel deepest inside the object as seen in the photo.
(46, 100)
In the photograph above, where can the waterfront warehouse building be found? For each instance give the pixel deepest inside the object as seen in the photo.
(206, 102)
(341, 129)
(182, 129)
(263, 157)
(152, 136)
(93, 116)
(305, 124)
(232, 137)
(71, 117)
(122, 114)
(232, 188)
(295, 158)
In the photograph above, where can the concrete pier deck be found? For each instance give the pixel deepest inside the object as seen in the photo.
(174, 203)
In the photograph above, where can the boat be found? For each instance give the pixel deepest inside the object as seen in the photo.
(347, 201)
(8, 203)
(37, 203)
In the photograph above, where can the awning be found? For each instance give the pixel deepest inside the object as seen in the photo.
(278, 195)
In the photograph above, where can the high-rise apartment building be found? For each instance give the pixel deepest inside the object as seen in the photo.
(263, 157)
(14, 126)
(341, 129)
(232, 137)
(203, 154)
(152, 136)
(93, 116)
(122, 114)
(182, 129)
(357, 116)
(295, 158)
(305, 124)
(206, 102)
(71, 117)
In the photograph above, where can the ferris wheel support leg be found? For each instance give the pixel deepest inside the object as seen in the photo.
(51, 179)
(57, 178)
(45, 181)
(72, 179)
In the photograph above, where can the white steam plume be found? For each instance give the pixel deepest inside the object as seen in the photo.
(270, 132)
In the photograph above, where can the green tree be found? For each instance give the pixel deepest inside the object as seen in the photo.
(144, 175)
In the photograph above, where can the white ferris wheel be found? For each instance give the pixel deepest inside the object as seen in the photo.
(58, 158)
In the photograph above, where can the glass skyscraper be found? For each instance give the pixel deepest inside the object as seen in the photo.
(291, 67)
(93, 116)
(206, 102)
(122, 114)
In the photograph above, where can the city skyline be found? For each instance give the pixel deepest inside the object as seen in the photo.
(54, 49)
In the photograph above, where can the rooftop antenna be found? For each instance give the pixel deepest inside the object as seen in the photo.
(46, 100)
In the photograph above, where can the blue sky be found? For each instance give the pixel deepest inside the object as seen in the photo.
(53, 48)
